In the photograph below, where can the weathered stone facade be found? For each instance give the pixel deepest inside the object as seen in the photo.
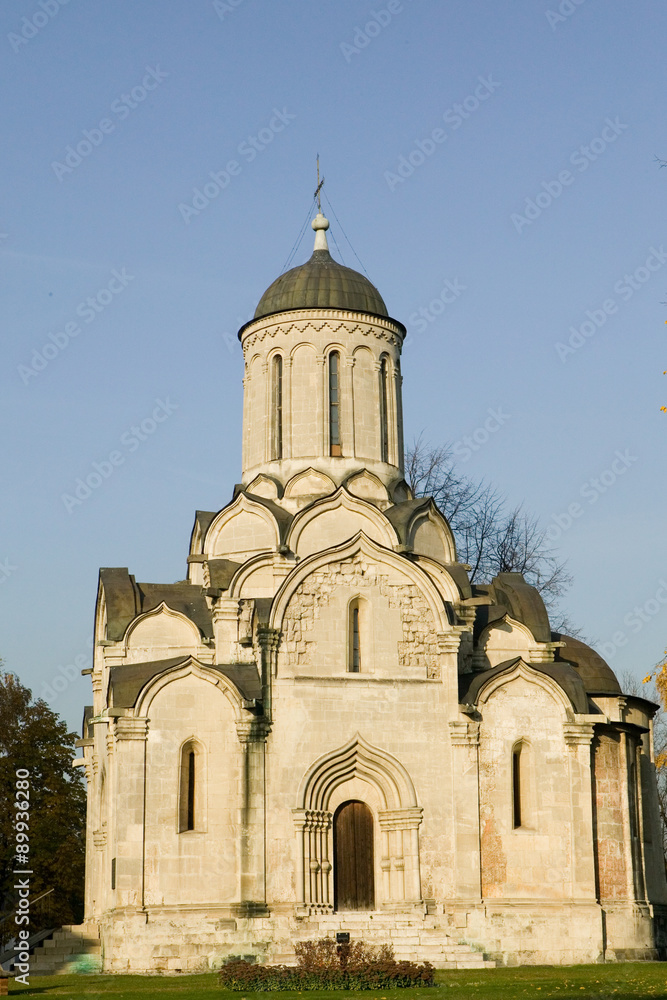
(328, 649)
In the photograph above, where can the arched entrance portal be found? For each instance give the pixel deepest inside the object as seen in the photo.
(333, 783)
(354, 870)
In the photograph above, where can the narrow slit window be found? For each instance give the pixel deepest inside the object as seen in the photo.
(191, 790)
(334, 404)
(277, 408)
(516, 787)
(354, 627)
(384, 408)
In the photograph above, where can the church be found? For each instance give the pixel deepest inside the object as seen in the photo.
(327, 728)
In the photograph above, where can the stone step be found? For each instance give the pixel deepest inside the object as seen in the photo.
(66, 949)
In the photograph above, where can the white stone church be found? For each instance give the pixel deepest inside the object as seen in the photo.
(327, 728)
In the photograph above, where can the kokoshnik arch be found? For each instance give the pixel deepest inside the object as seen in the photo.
(327, 726)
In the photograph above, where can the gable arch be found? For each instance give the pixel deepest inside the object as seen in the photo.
(442, 578)
(310, 482)
(430, 535)
(243, 528)
(366, 486)
(254, 578)
(521, 669)
(336, 518)
(101, 614)
(505, 638)
(265, 486)
(362, 545)
(161, 628)
(191, 668)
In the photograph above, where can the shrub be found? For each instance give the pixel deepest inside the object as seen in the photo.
(324, 965)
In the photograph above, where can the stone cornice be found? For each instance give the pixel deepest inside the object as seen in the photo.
(253, 731)
(300, 321)
(578, 733)
(127, 728)
(401, 819)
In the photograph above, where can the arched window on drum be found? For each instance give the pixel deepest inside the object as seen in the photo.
(276, 408)
(334, 404)
(384, 408)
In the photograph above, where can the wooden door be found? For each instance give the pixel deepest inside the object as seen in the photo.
(354, 872)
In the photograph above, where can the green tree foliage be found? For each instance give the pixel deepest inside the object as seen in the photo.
(32, 736)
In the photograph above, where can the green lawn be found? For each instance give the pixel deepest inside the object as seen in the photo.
(628, 981)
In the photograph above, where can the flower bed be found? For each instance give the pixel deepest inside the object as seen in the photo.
(324, 965)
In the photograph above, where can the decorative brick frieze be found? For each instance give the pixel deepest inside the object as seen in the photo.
(334, 320)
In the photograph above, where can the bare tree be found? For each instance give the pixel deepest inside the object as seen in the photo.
(489, 537)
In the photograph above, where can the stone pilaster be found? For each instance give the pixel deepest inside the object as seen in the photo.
(128, 831)
(448, 657)
(578, 737)
(400, 855)
(252, 735)
(268, 640)
(348, 400)
(464, 738)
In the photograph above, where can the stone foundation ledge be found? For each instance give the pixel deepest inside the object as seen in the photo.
(516, 932)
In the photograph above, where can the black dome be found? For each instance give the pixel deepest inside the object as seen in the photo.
(321, 283)
(597, 675)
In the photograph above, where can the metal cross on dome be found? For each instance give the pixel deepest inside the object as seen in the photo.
(319, 186)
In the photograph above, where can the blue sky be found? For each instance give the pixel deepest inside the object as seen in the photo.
(508, 149)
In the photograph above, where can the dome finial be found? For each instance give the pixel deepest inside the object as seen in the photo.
(319, 223)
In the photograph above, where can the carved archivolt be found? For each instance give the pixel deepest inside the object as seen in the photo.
(398, 820)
